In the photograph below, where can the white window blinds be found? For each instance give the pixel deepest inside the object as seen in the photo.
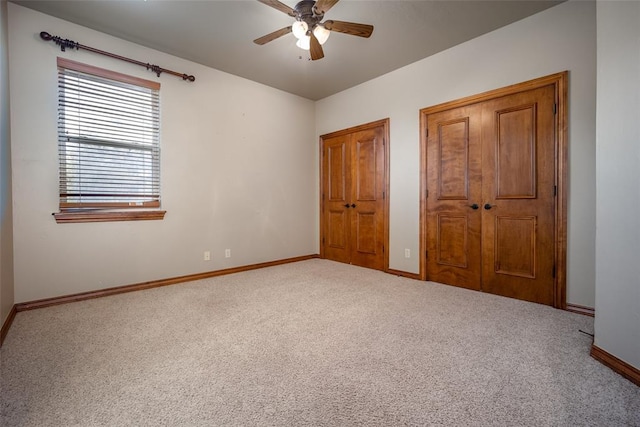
(108, 139)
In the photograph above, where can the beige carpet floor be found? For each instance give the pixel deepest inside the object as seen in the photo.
(311, 343)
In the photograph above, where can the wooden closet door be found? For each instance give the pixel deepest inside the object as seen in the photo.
(336, 192)
(367, 198)
(354, 184)
(518, 225)
(454, 196)
(491, 195)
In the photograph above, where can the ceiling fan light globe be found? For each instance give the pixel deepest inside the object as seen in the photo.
(321, 33)
(304, 43)
(299, 29)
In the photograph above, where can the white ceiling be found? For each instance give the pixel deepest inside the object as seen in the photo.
(220, 34)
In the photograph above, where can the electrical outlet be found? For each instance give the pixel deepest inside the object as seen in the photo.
(227, 253)
(407, 253)
(207, 256)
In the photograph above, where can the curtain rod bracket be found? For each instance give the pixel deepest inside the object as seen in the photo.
(66, 43)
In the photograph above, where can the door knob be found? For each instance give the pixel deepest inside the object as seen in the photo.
(353, 205)
(487, 206)
(474, 206)
(346, 205)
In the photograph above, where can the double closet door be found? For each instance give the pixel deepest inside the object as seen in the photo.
(491, 195)
(353, 195)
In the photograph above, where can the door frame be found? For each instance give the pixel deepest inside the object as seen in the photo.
(385, 124)
(560, 82)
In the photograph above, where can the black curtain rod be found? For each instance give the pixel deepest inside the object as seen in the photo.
(65, 43)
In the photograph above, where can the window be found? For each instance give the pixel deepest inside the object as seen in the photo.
(108, 145)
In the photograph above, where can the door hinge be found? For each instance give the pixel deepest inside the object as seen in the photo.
(426, 254)
(426, 194)
(555, 190)
(555, 109)
(382, 248)
(383, 195)
(553, 273)
(427, 132)
(323, 240)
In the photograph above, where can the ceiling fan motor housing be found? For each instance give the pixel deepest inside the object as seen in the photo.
(306, 12)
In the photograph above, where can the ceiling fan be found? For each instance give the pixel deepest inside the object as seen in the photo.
(308, 28)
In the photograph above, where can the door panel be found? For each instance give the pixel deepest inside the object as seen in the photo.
(518, 228)
(516, 153)
(454, 186)
(366, 243)
(452, 247)
(337, 230)
(337, 167)
(453, 161)
(366, 168)
(515, 260)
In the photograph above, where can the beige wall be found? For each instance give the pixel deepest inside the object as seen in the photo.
(617, 322)
(558, 39)
(6, 223)
(236, 168)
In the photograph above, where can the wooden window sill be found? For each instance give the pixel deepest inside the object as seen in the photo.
(105, 216)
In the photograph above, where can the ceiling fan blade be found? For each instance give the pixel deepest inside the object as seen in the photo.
(360, 30)
(315, 48)
(280, 6)
(322, 6)
(272, 36)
